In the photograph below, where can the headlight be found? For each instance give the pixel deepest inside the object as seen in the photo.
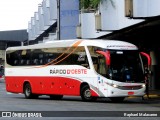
(114, 85)
(143, 85)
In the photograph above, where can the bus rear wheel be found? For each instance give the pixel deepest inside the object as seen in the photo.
(86, 94)
(28, 91)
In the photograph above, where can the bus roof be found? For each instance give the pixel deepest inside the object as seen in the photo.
(107, 44)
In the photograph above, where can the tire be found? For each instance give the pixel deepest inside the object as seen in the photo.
(28, 91)
(56, 97)
(86, 94)
(117, 99)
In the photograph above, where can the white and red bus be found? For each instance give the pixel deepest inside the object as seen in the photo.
(86, 68)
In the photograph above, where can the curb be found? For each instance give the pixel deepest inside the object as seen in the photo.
(145, 96)
(153, 96)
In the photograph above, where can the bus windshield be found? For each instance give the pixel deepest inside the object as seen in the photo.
(120, 65)
(126, 66)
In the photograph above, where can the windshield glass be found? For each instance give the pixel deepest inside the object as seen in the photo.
(118, 65)
(126, 66)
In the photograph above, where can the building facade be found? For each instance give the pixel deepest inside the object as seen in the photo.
(11, 38)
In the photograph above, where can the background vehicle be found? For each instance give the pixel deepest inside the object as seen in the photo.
(1, 71)
(86, 68)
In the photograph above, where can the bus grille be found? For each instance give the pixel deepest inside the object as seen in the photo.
(130, 87)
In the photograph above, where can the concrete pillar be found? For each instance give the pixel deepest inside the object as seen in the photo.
(22, 44)
(153, 68)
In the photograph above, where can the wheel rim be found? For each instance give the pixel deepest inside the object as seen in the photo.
(28, 91)
(87, 93)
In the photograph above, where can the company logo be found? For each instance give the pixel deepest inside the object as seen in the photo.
(21, 114)
(6, 114)
(68, 71)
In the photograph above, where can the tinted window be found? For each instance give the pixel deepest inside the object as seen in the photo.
(50, 56)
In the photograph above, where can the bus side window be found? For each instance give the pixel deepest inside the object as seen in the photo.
(95, 63)
(82, 60)
(28, 62)
(22, 62)
(102, 66)
(96, 67)
(41, 62)
(35, 62)
(49, 60)
(15, 62)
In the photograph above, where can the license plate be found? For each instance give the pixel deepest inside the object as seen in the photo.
(130, 93)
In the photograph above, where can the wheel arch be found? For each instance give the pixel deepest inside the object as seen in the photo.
(82, 85)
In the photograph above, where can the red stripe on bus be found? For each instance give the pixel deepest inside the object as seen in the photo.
(45, 85)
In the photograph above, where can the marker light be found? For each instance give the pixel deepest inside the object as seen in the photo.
(119, 52)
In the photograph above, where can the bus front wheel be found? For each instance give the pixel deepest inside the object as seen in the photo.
(86, 93)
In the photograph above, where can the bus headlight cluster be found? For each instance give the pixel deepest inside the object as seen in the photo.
(143, 85)
(113, 85)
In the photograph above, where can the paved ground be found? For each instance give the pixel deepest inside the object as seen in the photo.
(153, 94)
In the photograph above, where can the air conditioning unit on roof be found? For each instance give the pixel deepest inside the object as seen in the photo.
(98, 21)
(78, 31)
(129, 8)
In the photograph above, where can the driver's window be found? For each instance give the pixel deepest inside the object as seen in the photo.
(99, 64)
(102, 66)
(98, 60)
